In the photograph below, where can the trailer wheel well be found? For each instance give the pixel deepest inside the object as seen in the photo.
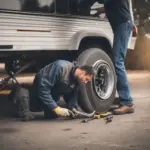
(99, 42)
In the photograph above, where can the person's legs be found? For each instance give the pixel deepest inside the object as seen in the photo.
(121, 38)
(36, 104)
(21, 98)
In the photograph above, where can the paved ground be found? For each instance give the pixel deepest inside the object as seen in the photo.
(128, 132)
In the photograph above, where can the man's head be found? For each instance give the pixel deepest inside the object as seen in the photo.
(84, 73)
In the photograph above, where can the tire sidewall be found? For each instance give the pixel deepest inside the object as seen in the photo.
(88, 98)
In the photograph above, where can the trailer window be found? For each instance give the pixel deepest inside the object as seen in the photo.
(62, 6)
(70, 7)
(46, 6)
(90, 8)
(97, 10)
(10, 4)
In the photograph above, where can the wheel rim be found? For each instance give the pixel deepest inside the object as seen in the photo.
(103, 82)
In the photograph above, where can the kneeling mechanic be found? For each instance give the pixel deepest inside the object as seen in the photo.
(59, 78)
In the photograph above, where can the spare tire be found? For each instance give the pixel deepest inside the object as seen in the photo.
(99, 94)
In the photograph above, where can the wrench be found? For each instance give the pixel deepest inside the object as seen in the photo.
(82, 114)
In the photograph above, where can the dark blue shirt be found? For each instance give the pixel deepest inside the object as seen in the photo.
(117, 11)
(55, 79)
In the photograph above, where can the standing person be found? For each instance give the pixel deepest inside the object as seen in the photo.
(120, 16)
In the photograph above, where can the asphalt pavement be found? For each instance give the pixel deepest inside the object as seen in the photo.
(126, 132)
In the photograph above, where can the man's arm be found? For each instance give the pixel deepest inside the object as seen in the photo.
(45, 89)
(46, 85)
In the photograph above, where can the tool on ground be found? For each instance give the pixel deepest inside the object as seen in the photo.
(98, 116)
(75, 113)
(108, 119)
(87, 120)
(92, 116)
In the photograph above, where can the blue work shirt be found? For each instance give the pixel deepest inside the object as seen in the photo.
(54, 80)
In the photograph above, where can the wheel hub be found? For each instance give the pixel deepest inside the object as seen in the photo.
(104, 80)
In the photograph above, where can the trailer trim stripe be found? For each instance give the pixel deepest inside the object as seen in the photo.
(27, 30)
(6, 46)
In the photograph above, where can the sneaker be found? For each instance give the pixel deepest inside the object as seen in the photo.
(124, 110)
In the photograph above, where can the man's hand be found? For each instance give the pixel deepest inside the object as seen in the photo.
(62, 112)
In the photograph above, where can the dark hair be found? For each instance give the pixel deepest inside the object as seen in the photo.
(89, 70)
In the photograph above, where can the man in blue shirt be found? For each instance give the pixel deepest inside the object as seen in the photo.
(119, 15)
(60, 78)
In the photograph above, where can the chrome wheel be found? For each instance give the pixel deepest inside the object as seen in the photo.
(103, 82)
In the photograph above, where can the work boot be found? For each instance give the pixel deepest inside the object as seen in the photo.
(113, 107)
(28, 116)
(124, 110)
(20, 97)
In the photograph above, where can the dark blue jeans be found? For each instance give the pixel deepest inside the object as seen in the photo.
(120, 45)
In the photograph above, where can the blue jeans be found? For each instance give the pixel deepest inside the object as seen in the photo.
(121, 37)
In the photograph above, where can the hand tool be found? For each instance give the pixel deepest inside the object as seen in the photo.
(75, 113)
(108, 119)
(92, 116)
(87, 120)
(97, 116)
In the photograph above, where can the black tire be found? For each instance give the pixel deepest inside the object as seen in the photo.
(89, 99)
